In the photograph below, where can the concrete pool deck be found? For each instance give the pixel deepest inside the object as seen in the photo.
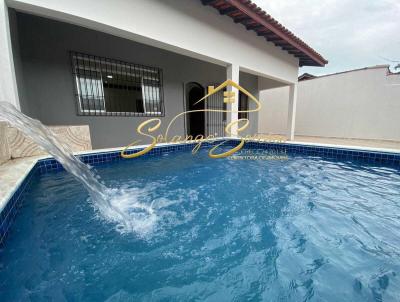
(336, 141)
(12, 174)
(349, 142)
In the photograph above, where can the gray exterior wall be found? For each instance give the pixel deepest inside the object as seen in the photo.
(45, 79)
(16, 55)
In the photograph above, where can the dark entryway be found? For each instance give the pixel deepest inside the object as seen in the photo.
(195, 120)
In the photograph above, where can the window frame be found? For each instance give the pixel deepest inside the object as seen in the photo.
(81, 107)
(123, 71)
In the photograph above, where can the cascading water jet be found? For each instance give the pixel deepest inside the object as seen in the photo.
(116, 205)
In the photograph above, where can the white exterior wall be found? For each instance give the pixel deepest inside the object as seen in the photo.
(8, 83)
(362, 104)
(273, 115)
(186, 27)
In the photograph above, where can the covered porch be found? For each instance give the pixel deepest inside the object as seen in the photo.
(65, 76)
(78, 76)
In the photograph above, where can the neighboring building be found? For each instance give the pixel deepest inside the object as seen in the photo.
(113, 64)
(306, 76)
(361, 104)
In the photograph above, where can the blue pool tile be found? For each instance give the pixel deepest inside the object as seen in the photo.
(9, 212)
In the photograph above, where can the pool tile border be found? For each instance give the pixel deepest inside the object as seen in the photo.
(96, 158)
(333, 152)
(99, 158)
(10, 210)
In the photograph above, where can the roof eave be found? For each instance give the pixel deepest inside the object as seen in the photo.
(254, 18)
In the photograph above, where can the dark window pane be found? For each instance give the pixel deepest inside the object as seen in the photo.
(111, 87)
(243, 105)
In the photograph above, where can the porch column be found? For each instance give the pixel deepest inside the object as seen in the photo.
(232, 73)
(291, 111)
(8, 83)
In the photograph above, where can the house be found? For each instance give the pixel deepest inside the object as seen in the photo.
(356, 104)
(113, 64)
(306, 76)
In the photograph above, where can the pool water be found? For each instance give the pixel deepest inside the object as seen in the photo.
(301, 229)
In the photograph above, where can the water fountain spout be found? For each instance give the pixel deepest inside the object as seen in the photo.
(105, 199)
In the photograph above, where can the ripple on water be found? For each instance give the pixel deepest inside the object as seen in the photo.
(305, 229)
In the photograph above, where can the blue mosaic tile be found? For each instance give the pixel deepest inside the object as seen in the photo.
(332, 152)
(9, 212)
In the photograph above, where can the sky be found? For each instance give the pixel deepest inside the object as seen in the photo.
(350, 34)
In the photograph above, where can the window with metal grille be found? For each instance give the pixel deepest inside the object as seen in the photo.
(116, 88)
(243, 105)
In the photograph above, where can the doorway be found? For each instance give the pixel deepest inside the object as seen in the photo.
(195, 120)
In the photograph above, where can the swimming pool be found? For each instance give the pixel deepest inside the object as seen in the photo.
(312, 227)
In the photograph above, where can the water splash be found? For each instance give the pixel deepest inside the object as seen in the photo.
(120, 206)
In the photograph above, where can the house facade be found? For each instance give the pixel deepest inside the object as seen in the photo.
(358, 104)
(112, 65)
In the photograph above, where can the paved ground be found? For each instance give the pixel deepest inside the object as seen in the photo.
(350, 142)
(338, 141)
(12, 173)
